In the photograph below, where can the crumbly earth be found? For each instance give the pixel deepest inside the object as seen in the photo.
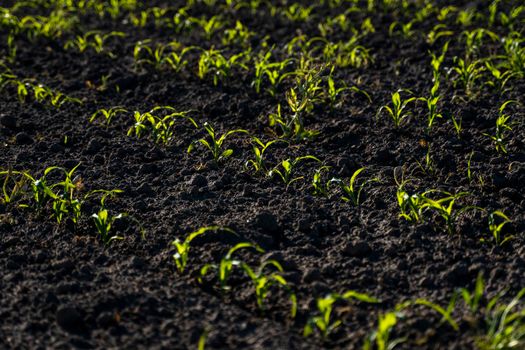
(61, 287)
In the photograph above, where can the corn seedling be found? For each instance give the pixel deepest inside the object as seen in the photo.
(352, 190)
(404, 29)
(497, 220)
(259, 148)
(296, 12)
(381, 336)
(467, 74)
(273, 72)
(323, 321)
(398, 111)
(183, 247)
(170, 55)
(94, 40)
(497, 332)
(457, 123)
(432, 105)
(209, 26)
(227, 264)
(445, 207)
(474, 41)
(160, 128)
(213, 62)
(334, 92)
(264, 282)
(104, 221)
(502, 126)
(411, 205)
(473, 299)
(239, 35)
(107, 115)
(13, 186)
(505, 323)
(437, 61)
(427, 166)
(439, 31)
(515, 54)
(320, 186)
(157, 13)
(499, 78)
(286, 169)
(215, 143)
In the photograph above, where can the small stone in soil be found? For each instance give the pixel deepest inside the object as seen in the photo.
(8, 121)
(23, 138)
(69, 318)
(198, 180)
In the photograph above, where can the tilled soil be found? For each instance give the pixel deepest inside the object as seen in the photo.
(62, 287)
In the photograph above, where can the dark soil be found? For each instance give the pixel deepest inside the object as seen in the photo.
(61, 287)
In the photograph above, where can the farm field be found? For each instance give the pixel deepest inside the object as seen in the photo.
(249, 174)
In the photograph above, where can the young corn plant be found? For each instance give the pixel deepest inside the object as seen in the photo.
(182, 248)
(398, 111)
(499, 325)
(499, 78)
(502, 126)
(161, 129)
(208, 25)
(225, 267)
(213, 62)
(333, 92)
(437, 61)
(13, 186)
(497, 220)
(410, 205)
(467, 74)
(171, 55)
(239, 35)
(505, 324)
(258, 163)
(515, 53)
(445, 207)
(43, 193)
(320, 186)
(107, 115)
(286, 169)
(92, 40)
(323, 321)
(271, 72)
(352, 190)
(381, 337)
(263, 283)
(432, 105)
(104, 221)
(215, 143)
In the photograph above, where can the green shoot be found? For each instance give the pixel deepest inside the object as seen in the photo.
(445, 208)
(226, 265)
(502, 126)
(264, 282)
(259, 148)
(286, 168)
(94, 40)
(183, 247)
(215, 143)
(352, 190)
(320, 186)
(322, 321)
(398, 111)
(161, 129)
(107, 115)
(497, 220)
